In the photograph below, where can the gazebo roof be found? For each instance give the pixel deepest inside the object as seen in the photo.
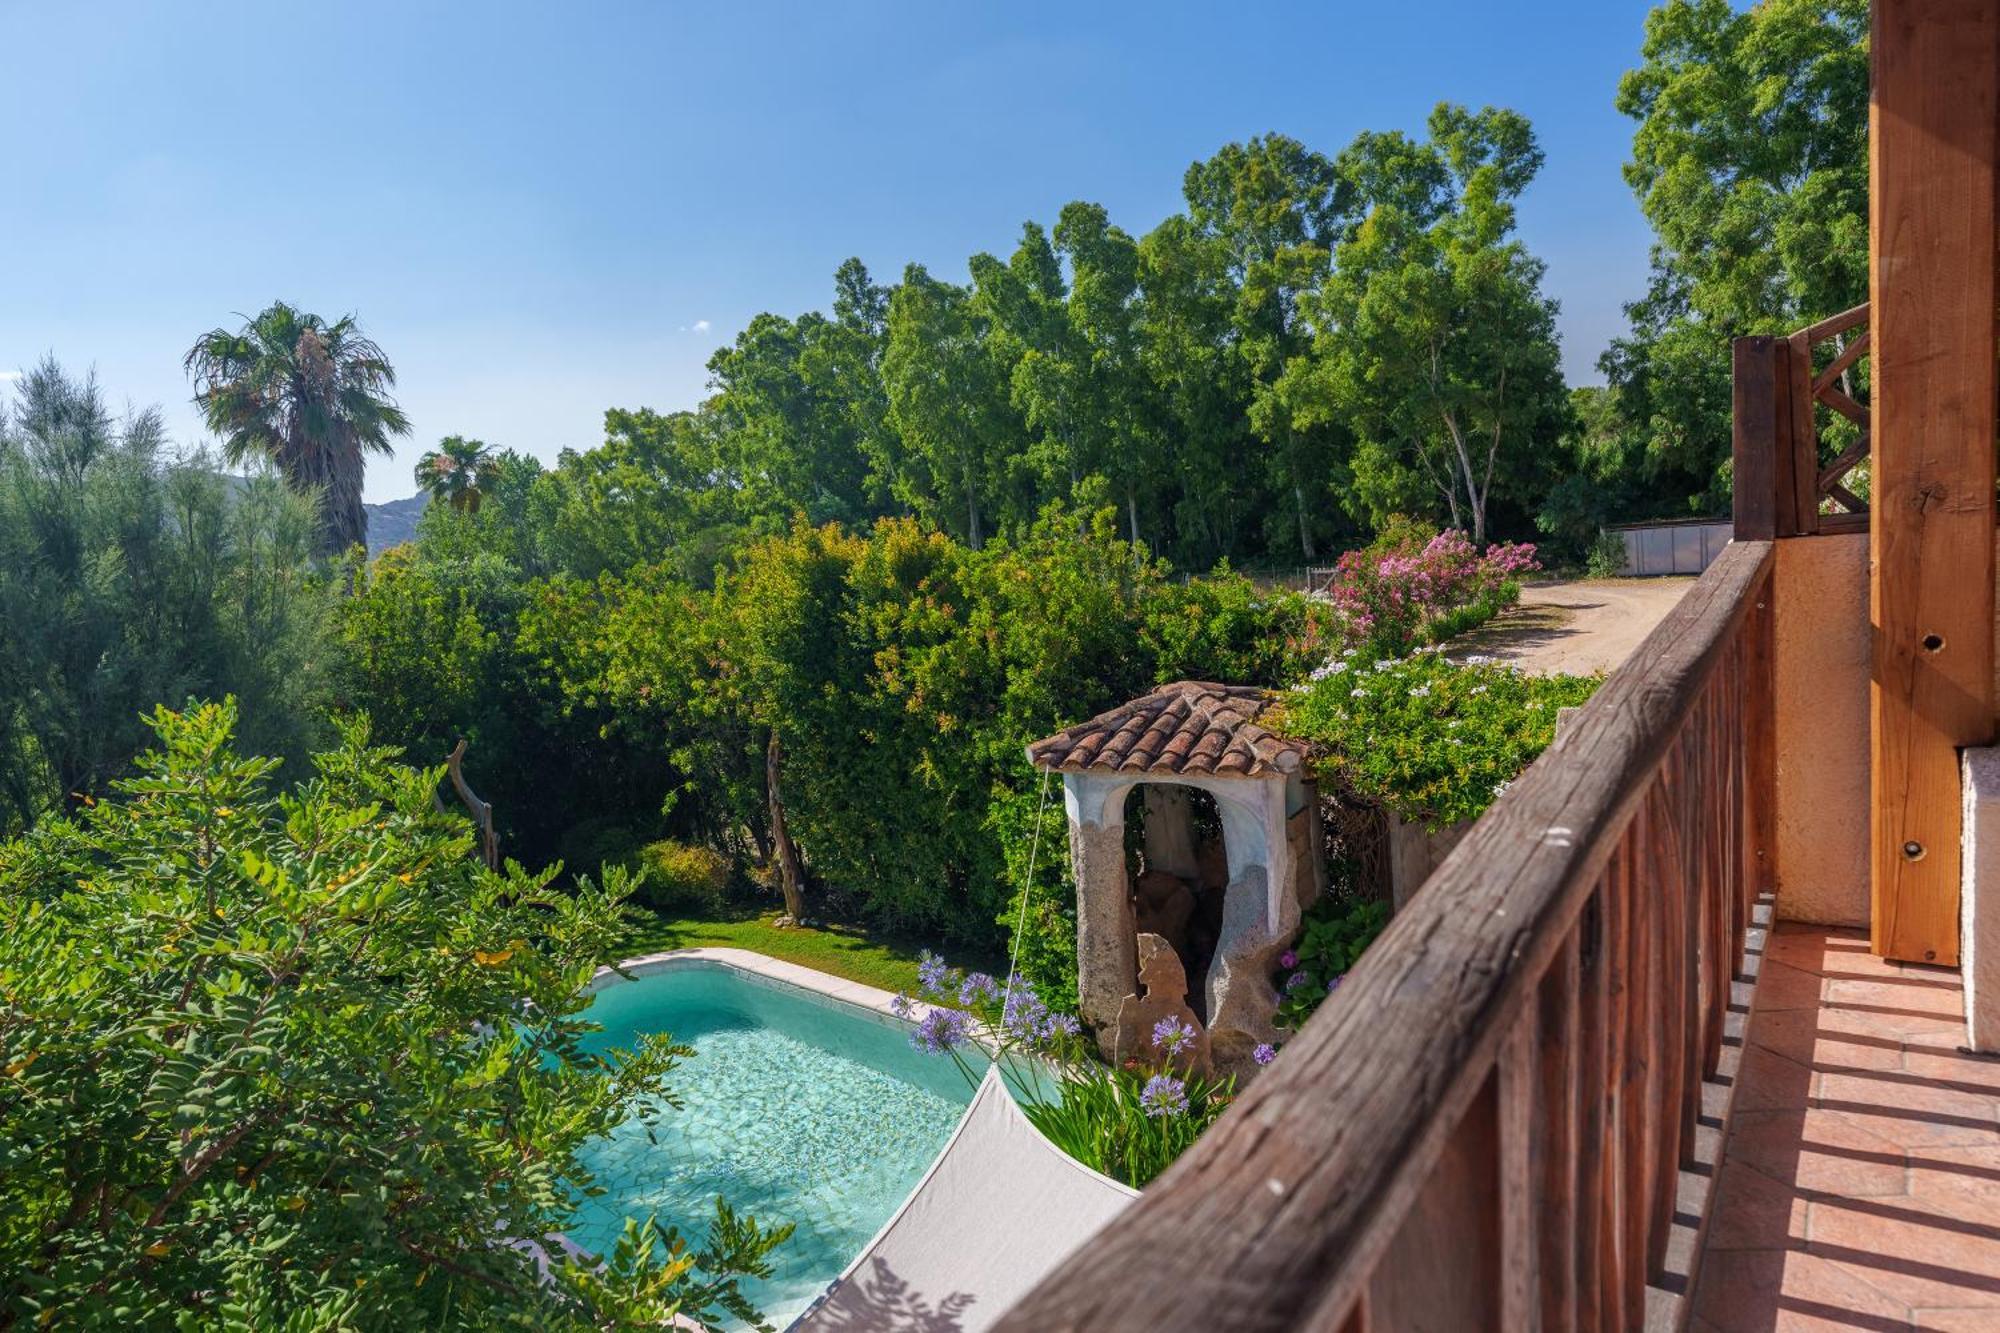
(1191, 728)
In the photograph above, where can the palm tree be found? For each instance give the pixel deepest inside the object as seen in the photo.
(310, 396)
(457, 472)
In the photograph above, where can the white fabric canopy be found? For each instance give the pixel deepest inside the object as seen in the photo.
(999, 1208)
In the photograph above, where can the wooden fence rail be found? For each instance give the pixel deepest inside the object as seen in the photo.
(1485, 1129)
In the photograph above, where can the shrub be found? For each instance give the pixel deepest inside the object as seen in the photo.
(600, 842)
(1607, 556)
(1433, 741)
(301, 1061)
(675, 877)
(1397, 595)
(1331, 940)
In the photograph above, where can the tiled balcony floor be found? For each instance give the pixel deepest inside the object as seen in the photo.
(1860, 1187)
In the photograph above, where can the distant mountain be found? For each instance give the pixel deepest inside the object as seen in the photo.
(394, 523)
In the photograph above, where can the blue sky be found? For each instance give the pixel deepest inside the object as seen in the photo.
(542, 211)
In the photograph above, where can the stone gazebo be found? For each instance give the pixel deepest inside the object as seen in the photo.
(1205, 737)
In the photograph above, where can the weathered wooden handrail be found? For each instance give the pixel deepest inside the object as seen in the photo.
(1782, 487)
(1485, 1128)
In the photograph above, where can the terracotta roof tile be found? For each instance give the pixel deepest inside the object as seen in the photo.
(1189, 728)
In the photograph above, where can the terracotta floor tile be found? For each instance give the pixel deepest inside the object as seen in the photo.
(1905, 1093)
(1756, 1291)
(1958, 1321)
(1956, 1068)
(1890, 1173)
(1923, 997)
(1783, 987)
(1804, 950)
(1908, 1252)
(1964, 1182)
(1809, 1037)
(1770, 1082)
(1817, 1150)
(1755, 1212)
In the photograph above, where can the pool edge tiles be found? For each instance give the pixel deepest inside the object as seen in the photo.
(763, 968)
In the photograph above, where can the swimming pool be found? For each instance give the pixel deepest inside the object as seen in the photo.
(798, 1108)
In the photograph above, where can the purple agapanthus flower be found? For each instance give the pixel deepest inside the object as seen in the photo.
(1023, 1013)
(942, 1030)
(930, 972)
(1172, 1035)
(1265, 1053)
(1163, 1095)
(977, 988)
(902, 1005)
(1288, 959)
(1060, 1025)
(1334, 985)
(1294, 981)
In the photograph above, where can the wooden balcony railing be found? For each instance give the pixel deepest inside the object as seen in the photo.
(1801, 429)
(1486, 1127)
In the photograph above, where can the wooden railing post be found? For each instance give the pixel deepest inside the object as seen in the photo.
(1759, 446)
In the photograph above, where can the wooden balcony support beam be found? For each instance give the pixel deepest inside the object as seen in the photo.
(1933, 123)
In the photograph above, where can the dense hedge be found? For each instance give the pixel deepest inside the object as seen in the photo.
(901, 672)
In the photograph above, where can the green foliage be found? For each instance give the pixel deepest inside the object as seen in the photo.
(1435, 341)
(128, 578)
(300, 1060)
(1331, 940)
(675, 877)
(1751, 162)
(1099, 1118)
(902, 673)
(1433, 741)
(1607, 556)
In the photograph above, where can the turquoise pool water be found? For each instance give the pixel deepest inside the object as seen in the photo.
(798, 1108)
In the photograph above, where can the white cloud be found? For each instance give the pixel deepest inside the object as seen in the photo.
(701, 326)
(9, 376)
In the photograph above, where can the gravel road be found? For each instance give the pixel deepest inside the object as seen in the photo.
(1578, 628)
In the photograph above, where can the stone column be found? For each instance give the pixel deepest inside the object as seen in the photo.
(1107, 944)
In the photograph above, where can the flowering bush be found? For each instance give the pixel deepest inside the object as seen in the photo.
(1396, 595)
(1331, 941)
(1432, 740)
(1128, 1123)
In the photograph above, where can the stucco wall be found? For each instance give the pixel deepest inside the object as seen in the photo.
(1822, 669)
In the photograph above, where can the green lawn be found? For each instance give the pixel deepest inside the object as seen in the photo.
(844, 951)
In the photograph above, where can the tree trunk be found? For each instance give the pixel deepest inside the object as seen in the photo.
(1132, 513)
(1305, 532)
(973, 537)
(791, 874)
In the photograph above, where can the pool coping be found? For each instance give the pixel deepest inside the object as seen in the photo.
(859, 994)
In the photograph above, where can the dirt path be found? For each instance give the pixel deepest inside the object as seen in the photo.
(1578, 628)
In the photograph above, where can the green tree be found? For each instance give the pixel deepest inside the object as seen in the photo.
(299, 1060)
(949, 401)
(1276, 209)
(310, 396)
(458, 472)
(128, 577)
(1751, 162)
(1435, 341)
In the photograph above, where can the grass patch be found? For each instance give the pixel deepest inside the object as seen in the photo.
(842, 950)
